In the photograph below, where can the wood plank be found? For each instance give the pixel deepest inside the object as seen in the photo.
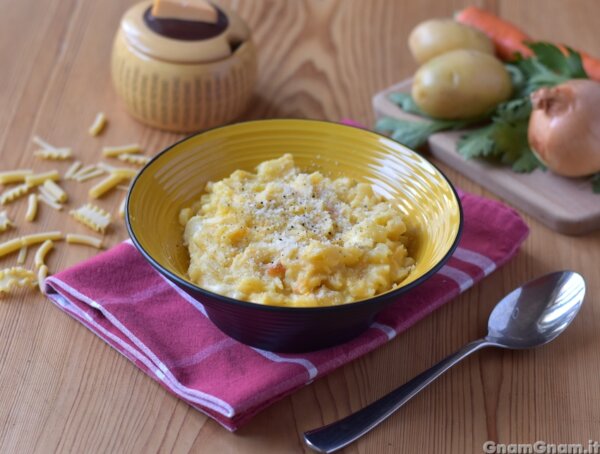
(65, 390)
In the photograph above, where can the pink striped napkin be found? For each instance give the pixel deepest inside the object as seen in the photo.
(120, 298)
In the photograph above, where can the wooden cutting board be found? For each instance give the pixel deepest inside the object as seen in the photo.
(564, 204)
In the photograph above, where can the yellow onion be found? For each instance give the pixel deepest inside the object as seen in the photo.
(564, 127)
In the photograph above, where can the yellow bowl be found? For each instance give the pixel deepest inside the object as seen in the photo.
(176, 178)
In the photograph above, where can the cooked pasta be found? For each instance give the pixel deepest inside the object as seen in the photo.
(42, 252)
(111, 152)
(32, 207)
(93, 217)
(98, 125)
(14, 176)
(12, 194)
(86, 240)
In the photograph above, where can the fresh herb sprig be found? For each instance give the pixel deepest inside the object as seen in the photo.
(504, 139)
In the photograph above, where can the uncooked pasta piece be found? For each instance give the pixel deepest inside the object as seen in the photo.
(111, 152)
(137, 159)
(32, 207)
(5, 222)
(72, 170)
(81, 177)
(92, 216)
(105, 185)
(44, 197)
(14, 176)
(12, 194)
(56, 191)
(42, 252)
(106, 167)
(122, 207)
(42, 143)
(16, 276)
(36, 238)
(22, 257)
(124, 172)
(87, 240)
(10, 246)
(39, 178)
(41, 278)
(57, 154)
(98, 125)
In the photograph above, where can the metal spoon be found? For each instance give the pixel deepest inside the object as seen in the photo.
(529, 316)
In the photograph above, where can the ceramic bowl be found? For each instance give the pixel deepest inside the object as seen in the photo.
(176, 178)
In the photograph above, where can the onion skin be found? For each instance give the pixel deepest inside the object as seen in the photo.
(564, 127)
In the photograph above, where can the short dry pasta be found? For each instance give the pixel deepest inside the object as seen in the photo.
(32, 207)
(98, 125)
(14, 176)
(16, 276)
(111, 152)
(5, 221)
(87, 240)
(56, 154)
(58, 193)
(42, 252)
(39, 178)
(12, 194)
(92, 216)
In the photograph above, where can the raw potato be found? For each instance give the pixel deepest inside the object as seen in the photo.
(438, 36)
(461, 84)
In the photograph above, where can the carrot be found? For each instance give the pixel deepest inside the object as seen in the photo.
(507, 38)
(591, 66)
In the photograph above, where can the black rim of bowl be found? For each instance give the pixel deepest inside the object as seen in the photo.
(248, 304)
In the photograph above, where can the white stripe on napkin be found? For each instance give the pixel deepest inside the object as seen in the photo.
(486, 264)
(462, 279)
(388, 330)
(310, 367)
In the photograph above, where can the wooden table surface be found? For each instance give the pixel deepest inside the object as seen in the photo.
(63, 389)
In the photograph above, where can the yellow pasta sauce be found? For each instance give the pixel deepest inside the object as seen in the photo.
(287, 238)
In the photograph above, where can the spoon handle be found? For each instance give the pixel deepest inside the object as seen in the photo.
(341, 433)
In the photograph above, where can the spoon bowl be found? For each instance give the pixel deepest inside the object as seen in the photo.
(537, 312)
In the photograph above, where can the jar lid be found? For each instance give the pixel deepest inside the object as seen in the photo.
(179, 41)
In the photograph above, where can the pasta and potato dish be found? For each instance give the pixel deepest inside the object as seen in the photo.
(287, 238)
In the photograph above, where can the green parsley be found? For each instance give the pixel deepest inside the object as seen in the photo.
(504, 138)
